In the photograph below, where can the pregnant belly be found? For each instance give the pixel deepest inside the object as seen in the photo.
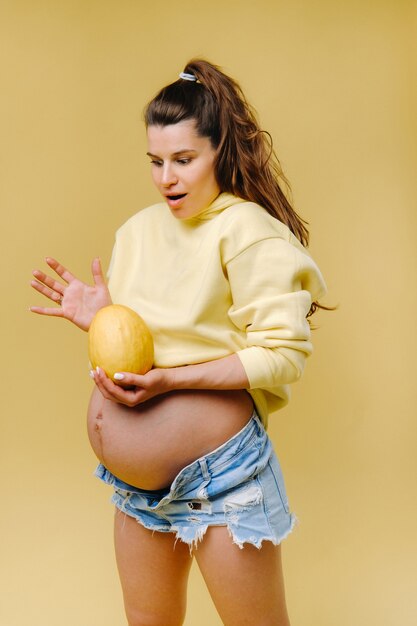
(147, 445)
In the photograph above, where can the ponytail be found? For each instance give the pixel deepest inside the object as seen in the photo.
(246, 163)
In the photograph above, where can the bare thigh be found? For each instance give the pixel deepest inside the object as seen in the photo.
(246, 585)
(153, 573)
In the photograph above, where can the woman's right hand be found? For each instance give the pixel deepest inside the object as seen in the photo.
(78, 302)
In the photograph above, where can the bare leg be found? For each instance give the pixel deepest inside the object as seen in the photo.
(153, 573)
(246, 585)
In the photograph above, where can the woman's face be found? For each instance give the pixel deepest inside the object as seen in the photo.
(183, 167)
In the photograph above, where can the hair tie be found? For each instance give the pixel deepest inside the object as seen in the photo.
(186, 76)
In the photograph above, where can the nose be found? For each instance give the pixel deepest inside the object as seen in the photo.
(168, 176)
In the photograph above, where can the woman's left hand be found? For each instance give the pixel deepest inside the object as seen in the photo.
(136, 388)
(225, 373)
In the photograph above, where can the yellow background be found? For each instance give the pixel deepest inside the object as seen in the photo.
(334, 83)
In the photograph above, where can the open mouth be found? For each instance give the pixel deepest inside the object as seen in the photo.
(177, 196)
(175, 200)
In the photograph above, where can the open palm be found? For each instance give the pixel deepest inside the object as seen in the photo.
(78, 301)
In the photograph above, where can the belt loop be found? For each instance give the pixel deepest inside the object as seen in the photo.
(204, 469)
(202, 492)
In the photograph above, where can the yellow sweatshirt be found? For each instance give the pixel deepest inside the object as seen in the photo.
(232, 279)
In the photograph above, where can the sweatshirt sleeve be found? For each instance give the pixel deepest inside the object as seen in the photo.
(273, 284)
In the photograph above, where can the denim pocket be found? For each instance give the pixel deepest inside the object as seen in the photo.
(278, 477)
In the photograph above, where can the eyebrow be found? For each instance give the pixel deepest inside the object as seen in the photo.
(177, 153)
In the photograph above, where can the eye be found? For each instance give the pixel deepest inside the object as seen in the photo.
(183, 161)
(156, 162)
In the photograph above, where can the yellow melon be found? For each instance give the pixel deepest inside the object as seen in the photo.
(120, 341)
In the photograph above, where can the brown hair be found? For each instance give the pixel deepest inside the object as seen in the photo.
(246, 164)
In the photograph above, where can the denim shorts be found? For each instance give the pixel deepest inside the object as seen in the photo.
(239, 485)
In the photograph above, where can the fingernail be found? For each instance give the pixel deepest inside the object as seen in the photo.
(98, 369)
(91, 372)
(118, 376)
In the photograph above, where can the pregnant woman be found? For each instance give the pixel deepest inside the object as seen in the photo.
(220, 272)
